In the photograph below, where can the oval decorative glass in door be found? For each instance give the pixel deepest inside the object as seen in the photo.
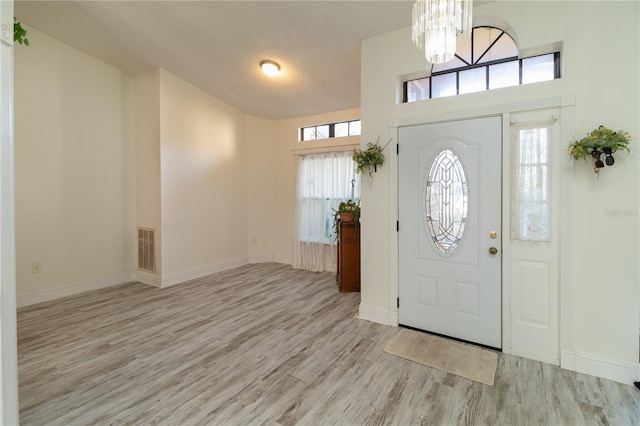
(446, 201)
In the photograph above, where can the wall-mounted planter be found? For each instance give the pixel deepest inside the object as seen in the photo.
(601, 141)
(367, 161)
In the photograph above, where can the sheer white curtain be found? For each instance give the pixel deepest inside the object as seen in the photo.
(530, 182)
(324, 180)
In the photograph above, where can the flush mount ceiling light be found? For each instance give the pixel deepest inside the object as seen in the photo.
(436, 25)
(270, 67)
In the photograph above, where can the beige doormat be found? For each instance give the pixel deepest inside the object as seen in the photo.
(448, 355)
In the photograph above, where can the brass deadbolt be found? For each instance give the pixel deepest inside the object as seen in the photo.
(493, 235)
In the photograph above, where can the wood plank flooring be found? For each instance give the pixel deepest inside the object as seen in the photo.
(266, 344)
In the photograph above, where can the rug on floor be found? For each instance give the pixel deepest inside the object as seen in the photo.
(465, 360)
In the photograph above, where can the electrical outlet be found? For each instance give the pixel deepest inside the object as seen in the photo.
(35, 268)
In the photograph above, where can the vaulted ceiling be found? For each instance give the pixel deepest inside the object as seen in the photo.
(217, 45)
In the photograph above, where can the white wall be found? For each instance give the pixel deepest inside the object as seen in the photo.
(260, 189)
(286, 146)
(606, 300)
(100, 153)
(147, 118)
(203, 189)
(74, 168)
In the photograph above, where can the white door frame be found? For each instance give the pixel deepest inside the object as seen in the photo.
(566, 105)
(8, 332)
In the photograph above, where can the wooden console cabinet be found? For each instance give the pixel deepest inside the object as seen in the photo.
(348, 274)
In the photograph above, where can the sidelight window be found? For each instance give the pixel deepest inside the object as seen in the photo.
(530, 183)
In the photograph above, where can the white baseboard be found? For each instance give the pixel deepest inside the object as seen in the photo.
(567, 360)
(141, 276)
(595, 365)
(148, 278)
(280, 258)
(74, 288)
(393, 318)
(533, 356)
(265, 258)
(329, 264)
(180, 277)
(375, 314)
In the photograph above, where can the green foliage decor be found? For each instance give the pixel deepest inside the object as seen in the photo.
(599, 138)
(600, 141)
(348, 206)
(19, 33)
(369, 159)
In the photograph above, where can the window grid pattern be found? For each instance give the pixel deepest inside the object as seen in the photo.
(330, 130)
(446, 201)
(481, 67)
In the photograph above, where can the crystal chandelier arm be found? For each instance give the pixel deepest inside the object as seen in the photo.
(417, 24)
(436, 25)
(467, 18)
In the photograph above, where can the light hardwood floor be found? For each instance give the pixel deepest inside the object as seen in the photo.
(265, 344)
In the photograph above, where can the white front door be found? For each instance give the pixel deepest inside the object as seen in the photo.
(449, 229)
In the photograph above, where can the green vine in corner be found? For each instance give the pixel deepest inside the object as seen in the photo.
(19, 33)
(600, 141)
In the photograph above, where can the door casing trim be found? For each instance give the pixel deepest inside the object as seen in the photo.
(566, 105)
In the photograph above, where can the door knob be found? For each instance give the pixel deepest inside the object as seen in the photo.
(493, 250)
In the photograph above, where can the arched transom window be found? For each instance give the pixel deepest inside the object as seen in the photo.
(486, 60)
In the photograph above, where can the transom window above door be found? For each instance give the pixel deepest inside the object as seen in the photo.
(486, 60)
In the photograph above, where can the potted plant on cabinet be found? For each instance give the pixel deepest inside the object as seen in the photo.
(347, 212)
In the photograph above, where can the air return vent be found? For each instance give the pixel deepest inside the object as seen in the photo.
(147, 249)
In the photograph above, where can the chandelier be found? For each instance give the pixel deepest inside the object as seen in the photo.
(436, 25)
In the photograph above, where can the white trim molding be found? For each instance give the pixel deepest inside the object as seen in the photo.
(533, 356)
(595, 365)
(74, 288)
(148, 278)
(567, 129)
(281, 258)
(326, 148)
(375, 314)
(9, 411)
(131, 276)
(566, 104)
(265, 258)
(394, 273)
(180, 277)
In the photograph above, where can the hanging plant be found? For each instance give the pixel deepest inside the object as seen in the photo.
(601, 141)
(369, 159)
